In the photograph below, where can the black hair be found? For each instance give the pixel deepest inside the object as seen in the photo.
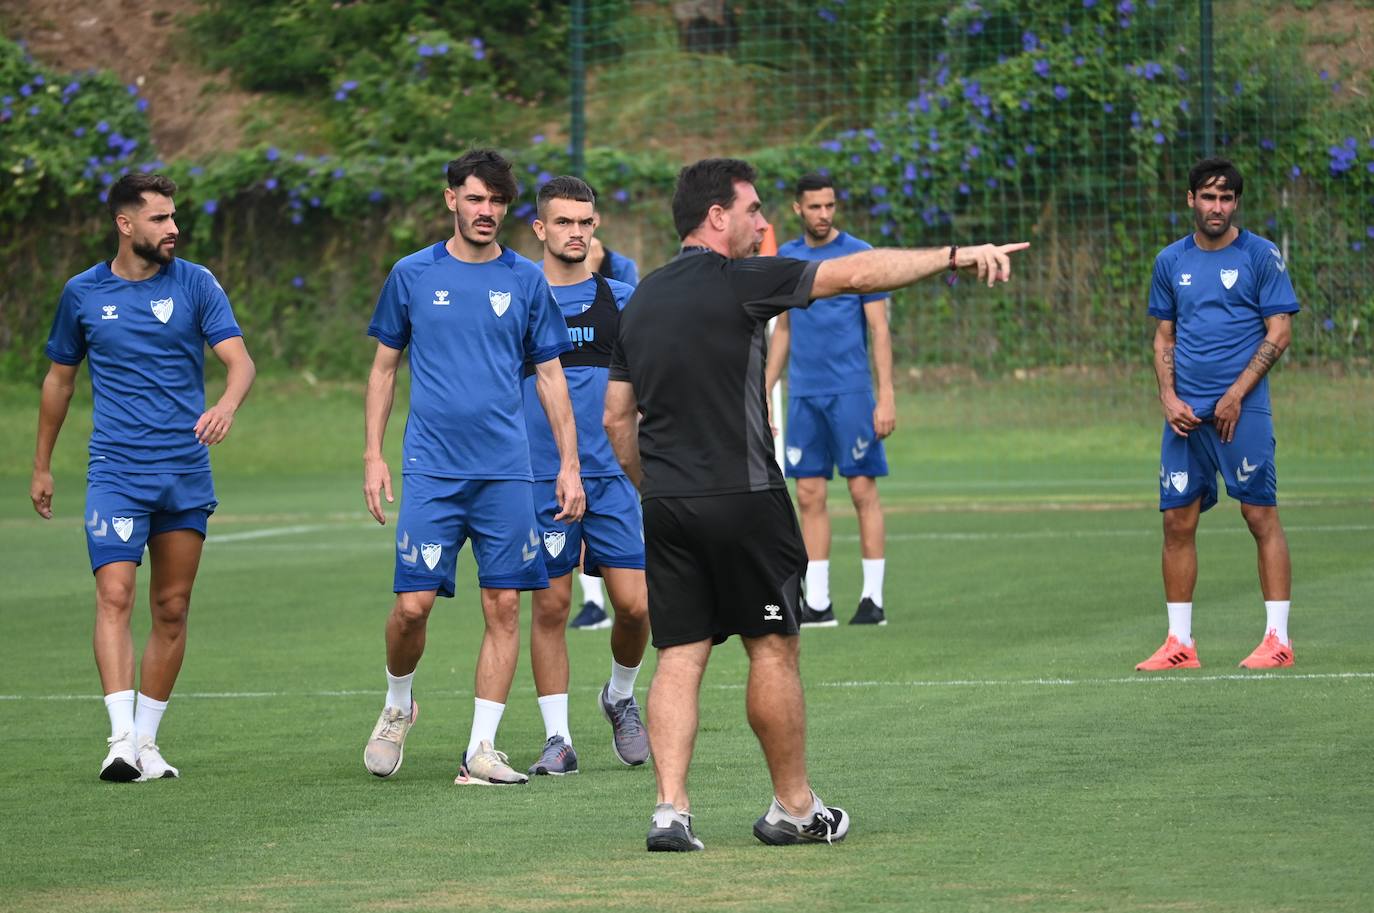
(1222, 171)
(489, 167)
(565, 187)
(813, 181)
(710, 182)
(129, 190)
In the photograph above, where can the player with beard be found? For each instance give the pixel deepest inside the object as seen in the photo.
(472, 314)
(142, 321)
(611, 529)
(832, 416)
(1224, 303)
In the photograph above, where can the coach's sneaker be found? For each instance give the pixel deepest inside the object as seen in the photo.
(488, 767)
(1173, 655)
(818, 618)
(1270, 654)
(823, 825)
(121, 764)
(151, 764)
(558, 759)
(629, 741)
(670, 831)
(386, 749)
(591, 618)
(868, 613)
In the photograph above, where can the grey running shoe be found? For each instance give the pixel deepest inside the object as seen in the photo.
(386, 749)
(629, 741)
(152, 764)
(558, 759)
(818, 618)
(778, 828)
(488, 767)
(670, 831)
(121, 763)
(868, 613)
(591, 618)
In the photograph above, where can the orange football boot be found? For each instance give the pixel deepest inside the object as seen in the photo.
(1270, 654)
(1173, 655)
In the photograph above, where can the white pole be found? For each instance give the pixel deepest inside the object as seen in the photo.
(775, 409)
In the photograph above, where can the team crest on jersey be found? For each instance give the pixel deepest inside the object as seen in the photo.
(1179, 481)
(1229, 276)
(1278, 259)
(794, 455)
(123, 527)
(162, 308)
(499, 301)
(441, 297)
(430, 552)
(554, 543)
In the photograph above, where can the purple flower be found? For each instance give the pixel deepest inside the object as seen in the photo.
(1079, 60)
(826, 14)
(1089, 4)
(270, 183)
(296, 218)
(425, 50)
(1061, 92)
(878, 190)
(298, 281)
(39, 81)
(831, 145)
(1295, 172)
(1029, 149)
(1042, 68)
(375, 196)
(26, 90)
(964, 189)
(1267, 144)
(1125, 7)
(341, 95)
(1108, 107)
(543, 177)
(1357, 245)
(992, 182)
(349, 85)
(621, 195)
(537, 139)
(875, 146)
(1323, 75)
(315, 202)
(79, 132)
(116, 140)
(272, 154)
(1328, 324)
(132, 89)
(1009, 161)
(1369, 231)
(33, 110)
(1183, 105)
(196, 170)
(102, 127)
(141, 104)
(441, 49)
(210, 207)
(855, 159)
(1025, 104)
(909, 172)
(1159, 139)
(1029, 41)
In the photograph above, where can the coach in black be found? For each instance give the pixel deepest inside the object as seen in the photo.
(724, 554)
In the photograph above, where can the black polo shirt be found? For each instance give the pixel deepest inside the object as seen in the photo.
(693, 342)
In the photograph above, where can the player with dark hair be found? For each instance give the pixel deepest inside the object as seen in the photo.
(472, 314)
(832, 415)
(722, 549)
(1224, 303)
(142, 321)
(610, 533)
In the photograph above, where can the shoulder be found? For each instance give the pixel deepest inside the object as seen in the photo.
(83, 282)
(1170, 254)
(621, 290)
(412, 265)
(794, 248)
(850, 244)
(194, 276)
(519, 264)
(1260, 250)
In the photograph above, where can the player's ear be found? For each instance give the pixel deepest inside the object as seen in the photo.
(796, 207)
(123, 224)
(451, 199)
(538, 228)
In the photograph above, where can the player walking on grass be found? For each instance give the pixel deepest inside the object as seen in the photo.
(832, 416)
(723, 552)
(472, 313)
(1224, 304)
(142, 321)
(611, 529)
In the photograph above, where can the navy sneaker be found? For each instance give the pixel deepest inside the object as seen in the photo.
(818, 618)
(591, 618)
(558, 759)
(868, 613)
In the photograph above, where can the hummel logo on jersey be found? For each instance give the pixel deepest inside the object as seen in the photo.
(409, 553)
(860, 448)
(1185, 279)
(430, 551)
(1179, 480)
(162, 308)
(97, 532)
(111, 312)
(499, 302)
(1229, 276)
(1163, 477)
(794, 455)
(554, 543)
(1278, 258)
(123, 527)
(772, 613)
(441, 296)
(1244, 471)
(528, 552)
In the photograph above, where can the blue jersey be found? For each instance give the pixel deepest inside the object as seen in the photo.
(1218, 301)
(829, 346)
(616, 265)
(145, 344)
(470, 328)
(586, 384)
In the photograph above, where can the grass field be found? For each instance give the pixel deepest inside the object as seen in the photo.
(993, 744)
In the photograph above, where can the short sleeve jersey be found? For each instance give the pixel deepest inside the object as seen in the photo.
(829, 343)
(469, 327)
(693, 344)
(145, 344)
(591, 331)
(616, 265)
(1219, 300)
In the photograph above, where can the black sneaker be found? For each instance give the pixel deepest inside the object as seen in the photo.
(812, 618)
(591, 618)
(777, 828)
(868, 613)
(670, 831)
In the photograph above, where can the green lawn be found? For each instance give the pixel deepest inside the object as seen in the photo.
(993, 744)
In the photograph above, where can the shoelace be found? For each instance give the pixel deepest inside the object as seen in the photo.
(392, 730)
(822, 825)
(625, 717)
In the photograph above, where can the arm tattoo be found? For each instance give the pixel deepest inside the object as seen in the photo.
(1264, 358)
(1168, 358)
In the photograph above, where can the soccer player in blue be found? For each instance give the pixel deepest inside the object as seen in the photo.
(832, 416)
(1224, 303)
(472, 314)
(612, 529)
(142, 321)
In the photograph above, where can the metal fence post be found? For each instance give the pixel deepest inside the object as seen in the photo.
(577, 127)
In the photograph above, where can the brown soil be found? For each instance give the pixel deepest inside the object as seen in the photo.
(1340, 39)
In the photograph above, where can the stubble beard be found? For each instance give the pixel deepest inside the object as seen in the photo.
(153, 253)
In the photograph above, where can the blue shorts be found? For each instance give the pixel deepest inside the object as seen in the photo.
(438, 515)
(125, 510)
(612, 528)
(1188, 466)
(825, 431)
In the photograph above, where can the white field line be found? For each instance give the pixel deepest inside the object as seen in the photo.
(872, 683)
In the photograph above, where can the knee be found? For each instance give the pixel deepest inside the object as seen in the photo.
(1263, 521)
(502, 613)
(1179, 529)
(412, 610)
(171, 608)
(811, 497)
(633, 612)
(549, 613)
(114, 597)
(864, 492)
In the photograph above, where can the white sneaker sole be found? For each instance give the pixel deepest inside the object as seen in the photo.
(832, 623)
(463, 780)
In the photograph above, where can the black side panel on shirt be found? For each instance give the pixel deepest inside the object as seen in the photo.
(591, 332)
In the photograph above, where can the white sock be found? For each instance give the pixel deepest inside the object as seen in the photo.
(554, 709)
(147, 717)
(873, 580)
(1276, 613)
(120, 706)
(1181, 621)
(622, 682)
(398, 690)
(592, 590)
(486, 716)
(818, 584)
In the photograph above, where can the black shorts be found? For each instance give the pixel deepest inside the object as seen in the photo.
(721, 565)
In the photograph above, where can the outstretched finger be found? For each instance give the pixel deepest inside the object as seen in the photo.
(1014, 247)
